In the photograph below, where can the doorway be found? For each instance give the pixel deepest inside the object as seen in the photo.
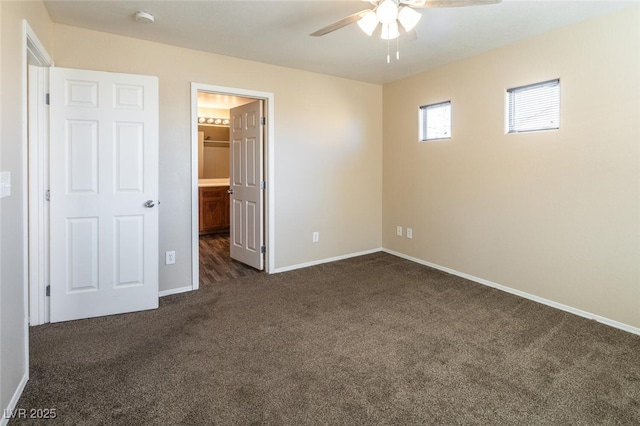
(215, 223)
(217, 263)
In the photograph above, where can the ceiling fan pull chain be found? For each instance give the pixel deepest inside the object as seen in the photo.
(397, 48)
(388, 55)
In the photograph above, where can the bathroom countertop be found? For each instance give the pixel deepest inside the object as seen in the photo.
(213, 182)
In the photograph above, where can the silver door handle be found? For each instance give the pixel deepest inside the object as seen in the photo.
(229, 191)
(149, 204)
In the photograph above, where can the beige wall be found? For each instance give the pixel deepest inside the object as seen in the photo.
(328, 145)
(554, 214)
(13, 333)
(216, 162)
(213, 112)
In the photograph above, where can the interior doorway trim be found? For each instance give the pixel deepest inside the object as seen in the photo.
(33, 52)
(269, 172)
(34, 155)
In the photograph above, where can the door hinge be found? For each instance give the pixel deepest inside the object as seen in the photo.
(46, 99)
(48, 291)
(263, 185)
(263, 249)
(47, 195)
(263, 120)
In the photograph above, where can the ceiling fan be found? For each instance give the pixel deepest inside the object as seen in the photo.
(391, 12)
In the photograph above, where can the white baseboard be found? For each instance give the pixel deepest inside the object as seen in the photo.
(327, 260)
(566, 308)
(4, 420)
(283, 269)
(174, 291)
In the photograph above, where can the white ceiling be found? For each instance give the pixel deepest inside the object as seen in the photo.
(277, 32)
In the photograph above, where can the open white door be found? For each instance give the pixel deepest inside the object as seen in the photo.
(246, 202)
(104, 188)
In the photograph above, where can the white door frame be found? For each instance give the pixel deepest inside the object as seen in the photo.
(35, 155)
(269, 173)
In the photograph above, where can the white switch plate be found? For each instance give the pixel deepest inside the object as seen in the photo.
(170, 257)
(315, 237)
(5, 184)
(399, 231)
(409, 233)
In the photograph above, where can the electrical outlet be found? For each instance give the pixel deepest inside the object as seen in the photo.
(170, 258)
(399, 231)
(409, 233)
(316, 237)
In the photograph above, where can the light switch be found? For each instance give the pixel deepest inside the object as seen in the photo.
(5, 184)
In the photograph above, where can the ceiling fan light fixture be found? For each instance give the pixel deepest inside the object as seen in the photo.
(408, 18)
(368, 23)
(390, 31)
(387, 12)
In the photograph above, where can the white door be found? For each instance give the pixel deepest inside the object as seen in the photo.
(246, 201)
(104, 191)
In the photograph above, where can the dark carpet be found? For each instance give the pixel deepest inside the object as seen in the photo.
(369, 340)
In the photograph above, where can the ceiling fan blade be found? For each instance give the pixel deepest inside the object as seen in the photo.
(339, 24)
(451, 3)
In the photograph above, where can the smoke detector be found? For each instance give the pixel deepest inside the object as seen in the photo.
(144, 17)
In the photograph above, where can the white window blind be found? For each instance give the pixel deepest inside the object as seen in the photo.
(534, 107)
(435, 121)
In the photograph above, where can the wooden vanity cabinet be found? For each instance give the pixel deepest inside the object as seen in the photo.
(214, 209)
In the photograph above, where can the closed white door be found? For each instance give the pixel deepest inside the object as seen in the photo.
(104, 193)
(246, 201)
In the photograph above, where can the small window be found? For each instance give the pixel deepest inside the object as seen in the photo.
(435, 121)
(534, 107)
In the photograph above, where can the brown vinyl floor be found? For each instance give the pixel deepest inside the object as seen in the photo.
(216, 264)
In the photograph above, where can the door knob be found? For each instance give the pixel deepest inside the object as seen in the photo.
(149, 204)
(229, 191)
